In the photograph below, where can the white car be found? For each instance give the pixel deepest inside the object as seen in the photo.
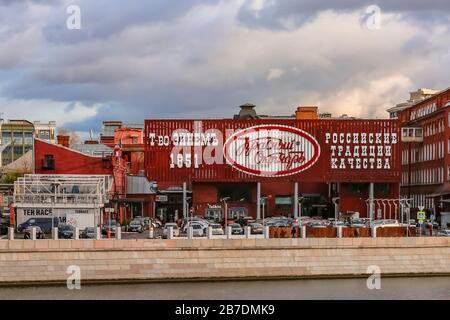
(386, 223)
(198, 230)
(444, 233)
(217, 229)
(203, 224)
(176, 230)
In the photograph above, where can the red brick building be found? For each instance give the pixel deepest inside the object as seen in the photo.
(286, 164)
(59, 159)
(426, 154)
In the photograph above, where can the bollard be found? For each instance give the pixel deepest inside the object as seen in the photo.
(76, 233)
(33, 233)
(98, 233)
(118, 234)
(303, 233)
(247, 232)
(339, 232)
(190, 232)
(10, 233)
(151, 233)
(170, 232)
(55, 233)
(210, 234)
(228, 230)
(266, 232)
(374, 231)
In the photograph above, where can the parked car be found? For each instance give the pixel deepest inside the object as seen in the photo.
(65, 231)
(88, 233)
(198, 220)
(236, 229)
(44, 223)
(109, 225)
(217, 229)
(359, 223)
(198, 230)
(136, 226)
(176, 230)
(444, 233)
(3, 228)
(39, 232)
(386, 223)
(340, 224)
(203, 224)
(256, 228)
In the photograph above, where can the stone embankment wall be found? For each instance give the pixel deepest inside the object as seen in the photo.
(28, 261)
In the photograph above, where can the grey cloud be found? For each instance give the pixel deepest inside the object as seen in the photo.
(282, 15)
(101, 19)
(141, 60)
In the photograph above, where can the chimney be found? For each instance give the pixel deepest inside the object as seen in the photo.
(306, 113)
(63, 140)
(247, 112)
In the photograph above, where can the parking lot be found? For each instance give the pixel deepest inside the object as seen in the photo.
(139, 228)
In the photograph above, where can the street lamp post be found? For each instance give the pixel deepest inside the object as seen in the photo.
(263, 202)
(300, 200)
(224, 200)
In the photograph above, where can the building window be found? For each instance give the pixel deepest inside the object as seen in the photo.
(18, 138)
(48, 163)
(44, 134)
(6, 137)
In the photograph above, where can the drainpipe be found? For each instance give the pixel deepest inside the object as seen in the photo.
(371, 211)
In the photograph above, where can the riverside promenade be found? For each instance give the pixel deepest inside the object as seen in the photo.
(111, 261)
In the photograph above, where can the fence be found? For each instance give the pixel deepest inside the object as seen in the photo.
(332, 232)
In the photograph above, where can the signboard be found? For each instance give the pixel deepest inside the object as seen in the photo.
(251, 150)
(23, 214)
(271, 150)
(421, 215)
(161, 198)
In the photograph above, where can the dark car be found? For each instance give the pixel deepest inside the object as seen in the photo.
(256, 228)
(4, 228)
(65, 231)
(44, 223)
(39, 232)
(236, 229)
(109, 226)
(136, 226)
(87, 233)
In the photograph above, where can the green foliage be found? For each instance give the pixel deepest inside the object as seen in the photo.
(11, 177)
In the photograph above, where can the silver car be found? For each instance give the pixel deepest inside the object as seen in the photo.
(444, 233)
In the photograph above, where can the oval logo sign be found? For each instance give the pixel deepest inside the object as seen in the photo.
(271, 150)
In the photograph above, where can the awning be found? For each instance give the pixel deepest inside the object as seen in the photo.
(442, 190)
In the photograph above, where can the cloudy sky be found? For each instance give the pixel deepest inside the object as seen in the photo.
(140, 59)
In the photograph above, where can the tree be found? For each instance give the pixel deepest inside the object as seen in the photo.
(11, 177)
(74, 137)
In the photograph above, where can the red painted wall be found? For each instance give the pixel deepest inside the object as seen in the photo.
(68, 161)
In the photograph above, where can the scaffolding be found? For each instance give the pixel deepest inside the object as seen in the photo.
(62, 191)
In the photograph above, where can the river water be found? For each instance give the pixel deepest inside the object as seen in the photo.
(391, 288)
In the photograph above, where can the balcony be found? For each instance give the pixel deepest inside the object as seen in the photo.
(412, 134)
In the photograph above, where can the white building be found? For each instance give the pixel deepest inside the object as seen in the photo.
(77, 200)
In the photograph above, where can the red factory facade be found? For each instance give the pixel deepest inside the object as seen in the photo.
(289, 166)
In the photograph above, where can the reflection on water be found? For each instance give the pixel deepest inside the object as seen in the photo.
(391, 288)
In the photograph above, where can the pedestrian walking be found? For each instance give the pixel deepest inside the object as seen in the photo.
(294, 232)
